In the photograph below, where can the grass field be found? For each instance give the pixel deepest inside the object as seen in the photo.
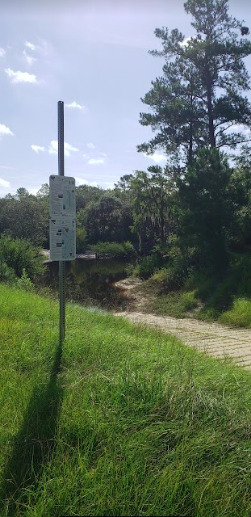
(120, 421)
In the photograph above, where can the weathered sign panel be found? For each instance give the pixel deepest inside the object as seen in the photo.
(62, 196)
(62, 218)
(62, 238)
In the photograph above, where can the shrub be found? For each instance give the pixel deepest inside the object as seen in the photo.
(114, 249)
(19, 254)
(25, 282)
(171, 277)
(148, 266)
(239, 315)
(7, 274)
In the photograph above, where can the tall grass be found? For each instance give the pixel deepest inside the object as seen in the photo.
(122, 421)
(239, 315)
(225, 297)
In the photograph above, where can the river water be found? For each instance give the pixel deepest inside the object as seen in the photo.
(90, 282)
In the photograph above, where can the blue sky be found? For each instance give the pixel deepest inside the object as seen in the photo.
(93, 55)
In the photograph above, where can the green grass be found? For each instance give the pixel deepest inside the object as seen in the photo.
(175, 303)
(122, 421)
(239, 315)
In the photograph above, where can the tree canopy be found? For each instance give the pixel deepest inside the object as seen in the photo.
(199, 101)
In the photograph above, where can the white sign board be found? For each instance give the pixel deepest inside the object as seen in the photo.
(62, 238)
(62, 196)
(62, 218)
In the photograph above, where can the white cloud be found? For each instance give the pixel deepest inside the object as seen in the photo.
(75, 105)
(4, 130)
(20, 77)
(95, 161)
(28, 59)
(68, 148)
(30, 45)
(34, 190)
(82, 181)
(157, 158)
(53, 149)
(37, 148)
(4, 183)
(90, 145)
(7, 168)
(2, 52)
(108, 185)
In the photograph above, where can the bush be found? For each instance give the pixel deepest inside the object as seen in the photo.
(171, 277)
(239, 315)
(19, 254)
(113, 249)
(7, 274)
(174, 275)
(25, 282)
(148, 266)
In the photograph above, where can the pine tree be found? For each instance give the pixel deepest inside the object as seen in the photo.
(200, 97)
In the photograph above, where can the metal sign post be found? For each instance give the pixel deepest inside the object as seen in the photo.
(62, 220)
(61, 265)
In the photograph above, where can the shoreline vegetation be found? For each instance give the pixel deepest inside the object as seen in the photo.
(204, 295)
(121, 420)
(204, 298)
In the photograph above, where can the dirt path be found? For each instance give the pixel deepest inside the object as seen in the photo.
(211, 338)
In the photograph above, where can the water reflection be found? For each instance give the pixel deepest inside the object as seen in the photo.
(91, 282)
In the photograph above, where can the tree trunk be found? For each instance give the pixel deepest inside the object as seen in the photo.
(211, 133)
(190, 148)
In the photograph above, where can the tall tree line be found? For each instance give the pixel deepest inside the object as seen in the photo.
(197, 206)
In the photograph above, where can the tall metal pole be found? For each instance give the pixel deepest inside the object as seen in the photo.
(61, 262)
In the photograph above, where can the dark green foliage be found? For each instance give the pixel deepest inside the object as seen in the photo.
(123, 187)
(153, 200)
(236, 283)
(25, 217)
(178, 267)
(207, 210)
(148, 266)
(17, 255)
(86, 194)
(113, 249)
(7, 274)
(107, 220)
(240, 193)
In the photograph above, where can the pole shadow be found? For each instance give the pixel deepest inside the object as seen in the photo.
(34, 444)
